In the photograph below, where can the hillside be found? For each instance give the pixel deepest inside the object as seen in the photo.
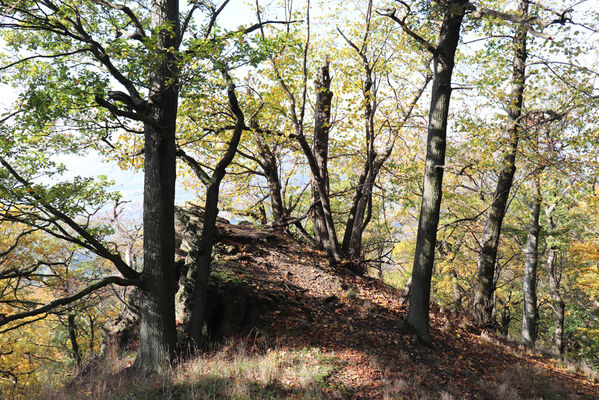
(328, 333)
(358, 320)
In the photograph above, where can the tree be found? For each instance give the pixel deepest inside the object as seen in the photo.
(371, 56)
(443, 63)
(199, 261)
(483, 302)
(143, 55)
(85, 34)
(531, 254)
(320, 149)
(554, 277)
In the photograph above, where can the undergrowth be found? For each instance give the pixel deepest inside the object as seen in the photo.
(232, 372)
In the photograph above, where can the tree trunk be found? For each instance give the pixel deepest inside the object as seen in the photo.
(271, 172)
(458, 293)
(204, 258)
(357, 218)
(92, 335)
(320, 182)
(157, 329)
(529, 287)
(428, 221)
(554, 278)
(320, 148)
(346, 245)
(73, 340)
(505, 318)
(202, 262)
(483, 298)
(362, 217)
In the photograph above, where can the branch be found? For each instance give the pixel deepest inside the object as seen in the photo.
(255, 159)
(126, 114)
(195, 167)
(121, 7)
(402, 22)
(94, 244)
(22, 60)
(293, 221)
(68, 300)
(9, 116)
(219, 171)
(526, 21)
(264, 23)
(185, 24)
(214, 16)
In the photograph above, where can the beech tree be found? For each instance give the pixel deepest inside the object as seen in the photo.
(70, 34)
(528, 23)
(371, 55)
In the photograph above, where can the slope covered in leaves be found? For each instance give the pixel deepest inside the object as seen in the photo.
(356, 320)
(327, 333)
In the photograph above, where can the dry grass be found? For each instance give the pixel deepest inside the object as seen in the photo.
(525, 382)
(581, 367)
(231, 372)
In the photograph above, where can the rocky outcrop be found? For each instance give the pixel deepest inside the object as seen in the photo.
(233, 306)
(121, 333)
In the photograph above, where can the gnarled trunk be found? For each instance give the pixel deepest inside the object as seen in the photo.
(483, 298)
(271, 172)
(320, 149)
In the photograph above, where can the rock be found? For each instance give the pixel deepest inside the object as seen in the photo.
(233, 307)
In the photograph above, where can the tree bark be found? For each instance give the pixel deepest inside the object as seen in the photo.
(202, 261)
(73, 339)
(271, 172)
(458, 293)
(92, 335)
(483, 298)
(320, 148)
(444, 54)
(157, 329)
(554, 277)
(529, 287)
(204, 256)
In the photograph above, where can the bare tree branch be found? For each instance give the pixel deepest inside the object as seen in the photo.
(67, 300)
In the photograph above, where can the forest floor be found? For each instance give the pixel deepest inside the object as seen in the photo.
(357, 321)
(331, 334)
